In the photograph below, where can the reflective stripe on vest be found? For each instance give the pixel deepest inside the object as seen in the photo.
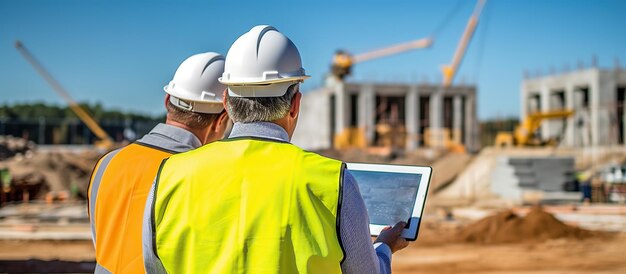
(248, 206)
(117, 198)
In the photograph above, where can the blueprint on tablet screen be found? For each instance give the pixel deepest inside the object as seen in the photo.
(389, 197)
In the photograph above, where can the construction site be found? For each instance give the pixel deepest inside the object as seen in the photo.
(546, 196)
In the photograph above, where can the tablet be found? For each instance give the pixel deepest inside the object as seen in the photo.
(393, 193)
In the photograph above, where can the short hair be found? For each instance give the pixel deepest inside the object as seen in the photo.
(194, 120)
(260, 109)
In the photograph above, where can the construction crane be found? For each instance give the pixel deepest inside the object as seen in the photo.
(104, 141)
(525, 132)
(450, 70)
(343, 61)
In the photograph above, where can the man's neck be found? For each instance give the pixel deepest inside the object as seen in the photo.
(284, 123)
(200, 134)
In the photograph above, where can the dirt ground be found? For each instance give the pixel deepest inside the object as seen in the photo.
(46, 250)
(436, 251)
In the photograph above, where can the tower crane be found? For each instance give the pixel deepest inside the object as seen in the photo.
(104, 140)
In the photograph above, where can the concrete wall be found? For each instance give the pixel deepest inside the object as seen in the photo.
(313, 129)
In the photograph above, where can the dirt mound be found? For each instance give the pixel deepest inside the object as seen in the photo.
(11, 146)
(42, 172)
(506, 227)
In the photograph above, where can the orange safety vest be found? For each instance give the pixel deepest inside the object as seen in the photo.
(118, 191)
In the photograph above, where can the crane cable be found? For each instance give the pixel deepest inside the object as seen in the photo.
(482, 41)
(448, 18)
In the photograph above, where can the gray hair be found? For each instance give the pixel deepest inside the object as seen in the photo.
(260, 109)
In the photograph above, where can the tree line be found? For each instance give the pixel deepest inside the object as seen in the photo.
(27, 111)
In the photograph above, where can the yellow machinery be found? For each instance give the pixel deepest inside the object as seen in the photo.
(525, 132)
(343, 61)
(104, 142)
(350, 138)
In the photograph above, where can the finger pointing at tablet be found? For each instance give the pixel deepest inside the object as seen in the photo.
(391, 236)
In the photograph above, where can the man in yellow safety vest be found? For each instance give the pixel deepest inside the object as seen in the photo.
(255, 203)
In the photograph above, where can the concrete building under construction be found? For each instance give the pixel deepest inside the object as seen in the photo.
(400, 116)
(595, 95)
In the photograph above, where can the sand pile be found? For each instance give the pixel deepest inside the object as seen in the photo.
(506, 227)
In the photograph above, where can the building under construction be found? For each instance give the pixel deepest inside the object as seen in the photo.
(400, 116)
(393, 116)
(596, 96)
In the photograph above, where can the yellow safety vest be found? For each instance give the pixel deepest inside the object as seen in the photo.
(248, 206)
(118, 191)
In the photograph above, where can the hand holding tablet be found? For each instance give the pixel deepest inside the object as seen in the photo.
(392, 194)
(392, 237)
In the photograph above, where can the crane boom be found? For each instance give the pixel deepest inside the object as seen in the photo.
(449, 71)
(395, 49)
(105, 140)
(343, 61)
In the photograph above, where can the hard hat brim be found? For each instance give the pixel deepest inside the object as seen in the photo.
(197, 106)
(267, 90)
(265, 82)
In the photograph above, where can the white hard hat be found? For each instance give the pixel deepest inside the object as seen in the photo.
(195, 86)
(262, 63)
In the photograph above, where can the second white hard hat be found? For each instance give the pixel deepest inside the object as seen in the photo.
(195, 86)
(262, 63)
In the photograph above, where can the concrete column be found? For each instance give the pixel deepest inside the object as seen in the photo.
(366, 112)
(471, 128)
(412, 118)
(524, 101)
(456, 119)
(436, 132)
(607, 109)
(340, 108)
(594, 105)
(570, 124)
(623, 122)
(546, 128)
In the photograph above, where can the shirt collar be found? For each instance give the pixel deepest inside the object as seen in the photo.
(266, 130)
(171, 138)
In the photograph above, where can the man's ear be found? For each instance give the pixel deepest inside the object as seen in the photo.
(219, 122)
(295, 105)
(167, 99)
(224, 94)
(223, 118)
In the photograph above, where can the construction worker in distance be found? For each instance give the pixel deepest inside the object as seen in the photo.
(122, 178)
(264, 205)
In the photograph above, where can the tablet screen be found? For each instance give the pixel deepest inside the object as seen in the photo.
(389, 196)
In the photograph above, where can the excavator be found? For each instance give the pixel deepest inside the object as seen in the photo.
(104, 141)
(525, 133)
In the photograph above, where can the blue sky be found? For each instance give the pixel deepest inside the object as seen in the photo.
(121, 53)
